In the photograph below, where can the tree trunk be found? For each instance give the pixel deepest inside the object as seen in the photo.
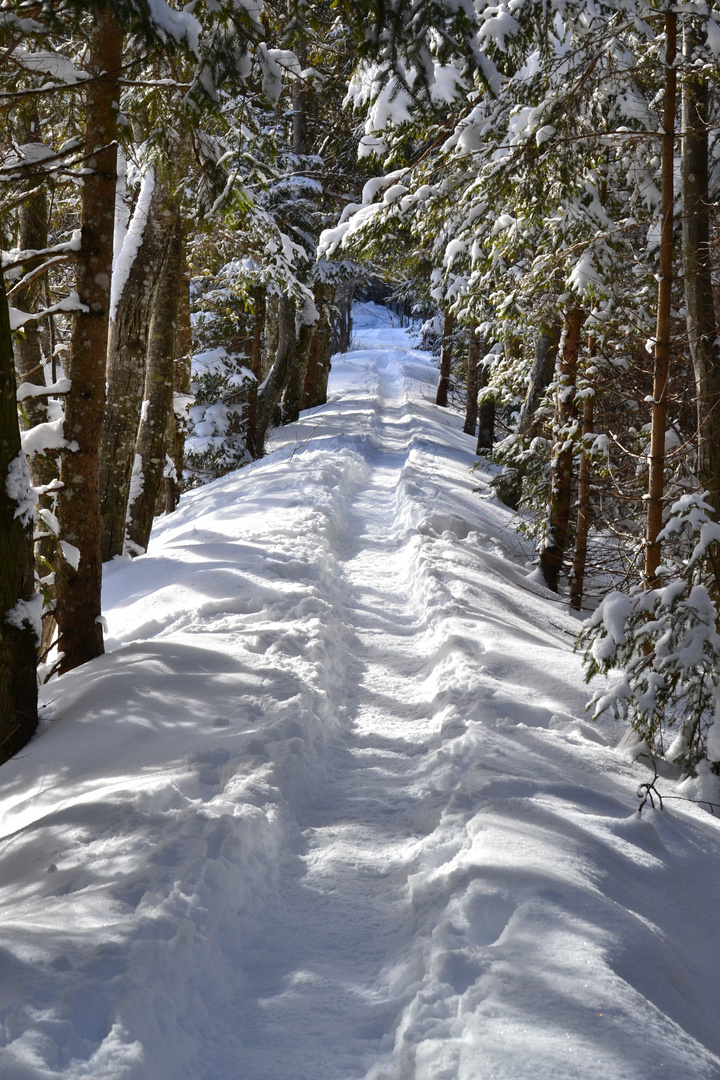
(341, 333)
(318, 366)
(256, 368)
(445, 361)
(127, 349)
(79, 572)
(182, 378)
(486, 416)
(543, 369)
(18, 644)
(299, 94)
(508, 483)
(699, 300)
(271, 335)
(584, 513)
(150, 448)
(324, 356)
(561, 467)
(292, 397)
(33, 235)
(473, 384)
(656, 480)
(271, 390)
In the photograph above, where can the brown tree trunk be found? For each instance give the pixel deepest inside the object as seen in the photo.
(33, 235)
(18, 644)
(299, 94)
(656, 480)
(324, 356)
(150, 448)
(509, 482)
(341, 333)
(79, 572)
(445, 361)
(256, 368)
(561, 467)
(486, 415)
(271, 390)
(473, 384)
(127, 348)
(182, 377)
(318, 366)
(543, 369)
(292, 397)
(271, 334)
(699, 300)
(584, 511)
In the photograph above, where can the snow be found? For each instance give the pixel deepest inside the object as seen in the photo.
(30, 390)
(131, 241)
(584, 275)
(19, 488)
(71, 302)
(71, 553)
(46, 436)
(137, 478)
(50, 63)
(329, 808)
(27, 613)
(175, 25)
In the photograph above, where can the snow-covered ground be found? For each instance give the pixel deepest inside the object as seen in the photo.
(329, 809)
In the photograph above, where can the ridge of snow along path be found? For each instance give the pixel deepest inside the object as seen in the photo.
(329, 810)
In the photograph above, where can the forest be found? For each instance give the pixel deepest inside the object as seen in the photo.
(239, 239)
(538, 186)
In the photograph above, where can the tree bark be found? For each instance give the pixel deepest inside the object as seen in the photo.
(699, 300)
(543, 369)
(584, 511)
(271, 334)
(78, 590)
(256, 368)
(182, 377)
(318, 366)
(656, 479)
(561, 467)
(150, 448)
(324, 357)
(33, 235)
(292, 397)
(473, 384)
(509, 482)
(486, 416)
(18, 646)
(341, 332)
(127, 348)
(445, 361)
(299, 95)
(271, 390)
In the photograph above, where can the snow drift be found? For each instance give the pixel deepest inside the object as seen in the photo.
(329, 808)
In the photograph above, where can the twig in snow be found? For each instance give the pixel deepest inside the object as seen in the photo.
(648, 792)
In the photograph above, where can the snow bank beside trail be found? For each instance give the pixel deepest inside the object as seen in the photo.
(330, 808)
(147, 828)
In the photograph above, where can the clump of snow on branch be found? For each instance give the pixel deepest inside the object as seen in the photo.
(27, 613)
(19, 488)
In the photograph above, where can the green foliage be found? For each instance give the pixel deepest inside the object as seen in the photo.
(664, 645)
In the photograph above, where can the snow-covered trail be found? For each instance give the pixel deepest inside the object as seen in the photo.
(329, 809)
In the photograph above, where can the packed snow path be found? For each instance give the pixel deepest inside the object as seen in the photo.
(330, 810)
